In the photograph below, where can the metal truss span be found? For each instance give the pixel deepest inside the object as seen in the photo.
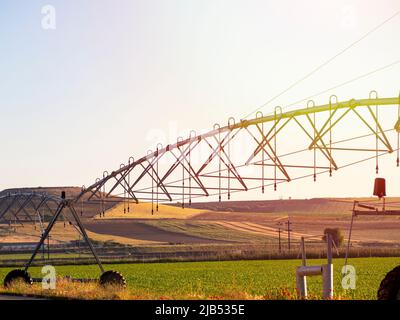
(259, 153)
(19, 207)
(45, 210)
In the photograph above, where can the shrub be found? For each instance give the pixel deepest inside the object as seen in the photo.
(336, 235)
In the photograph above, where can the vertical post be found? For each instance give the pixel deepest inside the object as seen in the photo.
(288, 232)
(329, 251)
(280, 246)
(303, 252)
(301, 280)
(349, 239)
(327, 271)
(301, 285)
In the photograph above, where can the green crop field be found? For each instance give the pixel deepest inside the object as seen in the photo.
(233, 279)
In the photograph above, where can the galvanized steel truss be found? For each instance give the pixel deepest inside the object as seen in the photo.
(218, 173)
(39, 205)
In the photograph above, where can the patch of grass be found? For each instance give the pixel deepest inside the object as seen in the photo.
(69, 290)
(263, 279)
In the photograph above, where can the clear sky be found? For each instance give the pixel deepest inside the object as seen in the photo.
(115, 77)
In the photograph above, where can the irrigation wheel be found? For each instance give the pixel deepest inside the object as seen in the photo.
(17, 274)
(113, 278)
(390, 286)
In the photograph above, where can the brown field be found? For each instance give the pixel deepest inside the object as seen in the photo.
(225, 222)
(61, 234)
(141, 231)
(256, 219)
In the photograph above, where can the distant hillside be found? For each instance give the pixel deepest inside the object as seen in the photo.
(220, 222)
(315, 205)
(89, 210)
(70, 191)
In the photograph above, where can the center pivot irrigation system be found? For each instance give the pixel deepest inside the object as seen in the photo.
(240, 156)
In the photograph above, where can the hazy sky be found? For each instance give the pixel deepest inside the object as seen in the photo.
(113, 75)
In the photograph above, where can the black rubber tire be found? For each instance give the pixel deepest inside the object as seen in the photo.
(389, 288)
(15, 275)
(113, 278)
